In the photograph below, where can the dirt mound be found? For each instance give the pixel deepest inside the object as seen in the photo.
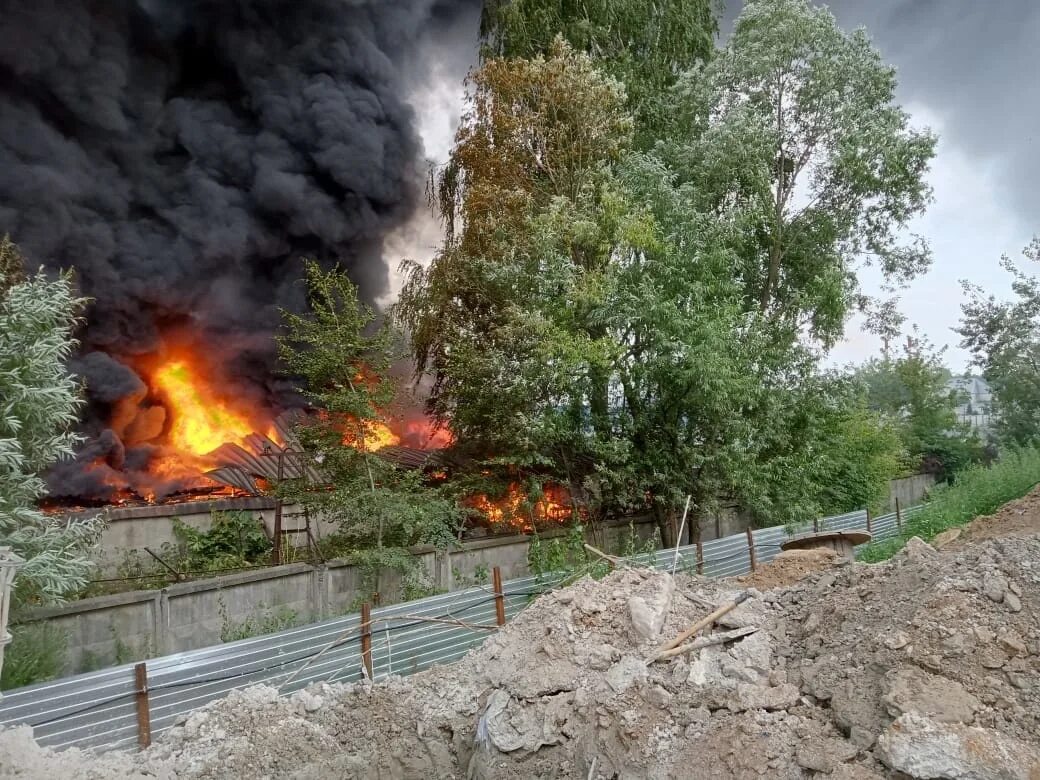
(789, 567)
(1016, 518)
(844, 665)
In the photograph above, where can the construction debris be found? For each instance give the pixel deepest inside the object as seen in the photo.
(925, 666)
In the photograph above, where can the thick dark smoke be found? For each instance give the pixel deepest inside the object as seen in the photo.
(183, 155)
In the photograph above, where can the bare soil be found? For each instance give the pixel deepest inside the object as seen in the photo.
(1016, 518)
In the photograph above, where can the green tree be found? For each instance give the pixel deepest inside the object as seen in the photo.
(793, 134)
(1004, 340)
(913, 391)
(39, 400)
(644, 44)
(645, 325)
(344, 362)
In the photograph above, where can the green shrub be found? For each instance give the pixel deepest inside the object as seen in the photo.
(36, 654)
(975, 491)
(263, 622)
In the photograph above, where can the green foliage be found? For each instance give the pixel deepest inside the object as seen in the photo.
(265, 621)
(36, 654)
(863, 454)
(976, 491)
(39, 401)
(642, 43)
(566, 556)
(911, 390)
(381, 509)
(643, 321)
(234, 540)
(1004, 339)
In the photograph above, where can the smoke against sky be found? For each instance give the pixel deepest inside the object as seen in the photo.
(184, 155)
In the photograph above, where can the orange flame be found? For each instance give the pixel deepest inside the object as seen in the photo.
(510, 510)
(376, 436)
(200, 420)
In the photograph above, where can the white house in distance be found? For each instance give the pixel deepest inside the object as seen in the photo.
(976, 401)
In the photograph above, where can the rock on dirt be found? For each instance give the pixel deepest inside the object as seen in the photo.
(922, 747)
(912, 667)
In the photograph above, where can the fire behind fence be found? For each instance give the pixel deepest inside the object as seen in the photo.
(132, 704)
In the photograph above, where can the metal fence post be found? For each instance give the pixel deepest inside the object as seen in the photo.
(500, 599)
(869, 529)
(144, 713)
(751, 549)
(700, 556)
(366, 638)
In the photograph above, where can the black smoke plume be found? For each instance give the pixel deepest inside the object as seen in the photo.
(183, 155)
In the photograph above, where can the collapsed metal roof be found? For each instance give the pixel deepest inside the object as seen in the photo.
(257, 458)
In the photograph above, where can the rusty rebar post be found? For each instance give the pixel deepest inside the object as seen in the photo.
(899, 516)
(870, 529)
(500, 597)
(144, 713)
(366, 638)
(700, 556)
(751, 549)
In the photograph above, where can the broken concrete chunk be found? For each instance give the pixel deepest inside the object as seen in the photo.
(626, 673)
(761, 697)
(824, 754)
(1013, 602)
(923, 748)
(898, 640)
(914, 690)
(994, 586)
(649, 610)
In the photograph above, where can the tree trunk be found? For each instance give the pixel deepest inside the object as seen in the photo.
(667, 524)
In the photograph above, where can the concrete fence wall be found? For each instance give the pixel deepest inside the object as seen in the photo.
(126, 627)
(909, 490)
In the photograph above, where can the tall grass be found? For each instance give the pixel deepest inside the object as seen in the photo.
(976, 491)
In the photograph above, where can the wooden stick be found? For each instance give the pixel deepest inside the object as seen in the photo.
(706, 621)
(678, 538)
(751, 549)
(366, 638)
(144, 713)
(705, 641)
(500, 599)
(449, 621)
(613, 559)
(700, 556)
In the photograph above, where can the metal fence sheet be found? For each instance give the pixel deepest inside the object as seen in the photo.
(99, 710)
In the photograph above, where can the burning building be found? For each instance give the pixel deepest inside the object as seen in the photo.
(183, 155)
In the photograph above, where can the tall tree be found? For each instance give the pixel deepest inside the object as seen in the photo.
(1004, 339)
(792, 132)
(344, 361)
(646, 324)
(39, 400)
(644, 44)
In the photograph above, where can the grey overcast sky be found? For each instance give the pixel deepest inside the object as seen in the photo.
(969, 69)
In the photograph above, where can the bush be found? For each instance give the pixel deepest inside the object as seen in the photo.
(36, 654)
(975, 491)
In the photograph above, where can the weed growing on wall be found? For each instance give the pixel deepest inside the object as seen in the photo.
(264, 621)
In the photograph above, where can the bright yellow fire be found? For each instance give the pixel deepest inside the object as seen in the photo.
(376, 436)
(199, 421)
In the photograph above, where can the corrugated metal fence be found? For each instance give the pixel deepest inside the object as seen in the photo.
(100, 709)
